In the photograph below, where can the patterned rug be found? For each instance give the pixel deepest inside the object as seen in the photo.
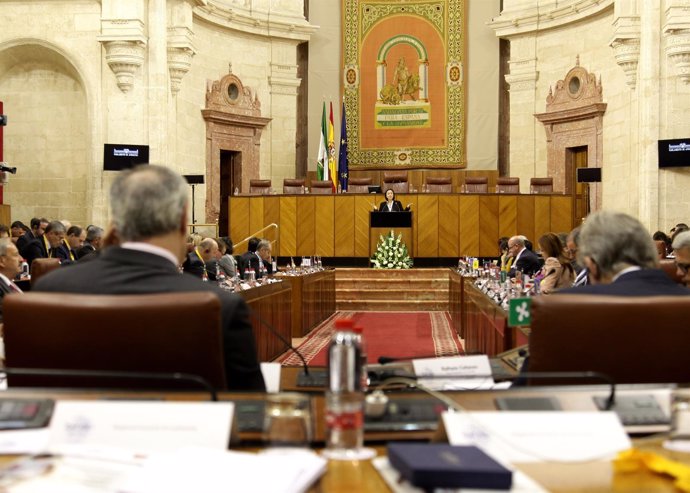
(403, 335)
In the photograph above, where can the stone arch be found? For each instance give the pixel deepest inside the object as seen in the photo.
(48, 136)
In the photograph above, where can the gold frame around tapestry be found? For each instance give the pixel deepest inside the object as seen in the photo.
(404, 92)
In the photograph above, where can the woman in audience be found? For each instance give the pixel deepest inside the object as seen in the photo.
(227, 262)
(557, 272)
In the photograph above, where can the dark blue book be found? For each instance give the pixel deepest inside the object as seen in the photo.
(436, 465)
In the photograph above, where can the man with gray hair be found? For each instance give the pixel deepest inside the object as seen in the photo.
(681, 250)
(149, 215)
(92, 243)
(48, 244)
(621, 258)
(10, 266)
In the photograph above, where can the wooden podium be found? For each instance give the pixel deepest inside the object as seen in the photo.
(381, 223)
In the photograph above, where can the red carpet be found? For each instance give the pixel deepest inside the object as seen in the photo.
(393, 334)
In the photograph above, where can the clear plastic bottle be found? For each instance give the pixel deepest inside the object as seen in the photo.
(359, 333)
(344, 398)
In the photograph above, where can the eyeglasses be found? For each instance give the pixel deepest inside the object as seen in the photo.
(683, 267)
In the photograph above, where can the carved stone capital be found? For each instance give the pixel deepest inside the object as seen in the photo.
(179, 63)
(627, 54)
(678, 52)
(124, 57)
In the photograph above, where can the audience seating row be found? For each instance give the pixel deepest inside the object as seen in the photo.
(398, 182)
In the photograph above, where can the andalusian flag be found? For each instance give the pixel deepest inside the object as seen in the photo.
(332, 171)
(322, 157)
(342, 157)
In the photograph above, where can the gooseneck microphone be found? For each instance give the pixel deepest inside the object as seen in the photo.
(197, 380)
(305, 367)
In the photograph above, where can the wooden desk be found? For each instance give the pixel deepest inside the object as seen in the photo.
(313, 300)
(485, 324)
(443, 225)
(347, 477)
(271, 303)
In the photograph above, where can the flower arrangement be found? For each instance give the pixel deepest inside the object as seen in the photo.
(391, 253)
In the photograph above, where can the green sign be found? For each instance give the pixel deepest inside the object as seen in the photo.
(520, 312)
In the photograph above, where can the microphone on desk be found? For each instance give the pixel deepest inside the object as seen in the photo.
(536, 375)
(282, 339)
(132, 375)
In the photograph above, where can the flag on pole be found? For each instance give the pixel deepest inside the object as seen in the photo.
(332, 171)
(342, 157)
(322, 157)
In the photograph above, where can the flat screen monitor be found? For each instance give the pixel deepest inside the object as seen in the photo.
(374, 189)
(588, 175)
(674, 153)
(117, 157)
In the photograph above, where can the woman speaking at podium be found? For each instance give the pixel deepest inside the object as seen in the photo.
(390, 204)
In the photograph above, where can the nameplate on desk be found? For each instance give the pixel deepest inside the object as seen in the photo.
(454, 373)
(141, 426)
(539, 436)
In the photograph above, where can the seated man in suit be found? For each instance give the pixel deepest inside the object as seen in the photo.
(92, 243)
(10, 266)
(151, 247)
(621, 258)
(250, 259)
(198, 261)
(524, 259)
(37, 228)
(264, 253)
(48, 244)
(72, 242)
(681, 250)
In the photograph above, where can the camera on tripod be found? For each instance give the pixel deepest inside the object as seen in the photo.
(6, 169)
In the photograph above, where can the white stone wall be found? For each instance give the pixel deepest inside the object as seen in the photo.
(644, 103)
(64, 101)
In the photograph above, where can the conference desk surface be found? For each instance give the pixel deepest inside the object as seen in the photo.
(361, 476)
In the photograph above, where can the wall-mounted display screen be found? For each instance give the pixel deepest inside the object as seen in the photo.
(117, 157)
(674, 153)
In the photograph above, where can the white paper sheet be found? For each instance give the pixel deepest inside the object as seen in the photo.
(141, 426)
(535, 436)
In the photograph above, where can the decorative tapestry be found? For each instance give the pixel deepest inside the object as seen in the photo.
(403, 83)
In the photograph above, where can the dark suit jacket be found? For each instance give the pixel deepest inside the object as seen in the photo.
(85, 250)
(23, 241)
(4, 290)
(249, 259)
(37, 249)
(528, 263)
(121, 271)
(397, 206)
(193, 265)
(645, 282)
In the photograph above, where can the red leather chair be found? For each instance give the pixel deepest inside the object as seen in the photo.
(324, 187)
(541, 185)
(439, 184)
(396, 181)
(259, 187)
(293, 186)
(476, 184)
(359, 185)
(506, 184)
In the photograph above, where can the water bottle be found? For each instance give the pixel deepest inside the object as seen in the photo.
(359, 335)
(344, 398)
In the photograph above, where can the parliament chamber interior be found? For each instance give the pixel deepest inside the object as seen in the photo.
(365, 245)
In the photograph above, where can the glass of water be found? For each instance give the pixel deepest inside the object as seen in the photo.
(287, 420)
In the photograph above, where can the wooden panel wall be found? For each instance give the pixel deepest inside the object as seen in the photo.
(444, 225)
